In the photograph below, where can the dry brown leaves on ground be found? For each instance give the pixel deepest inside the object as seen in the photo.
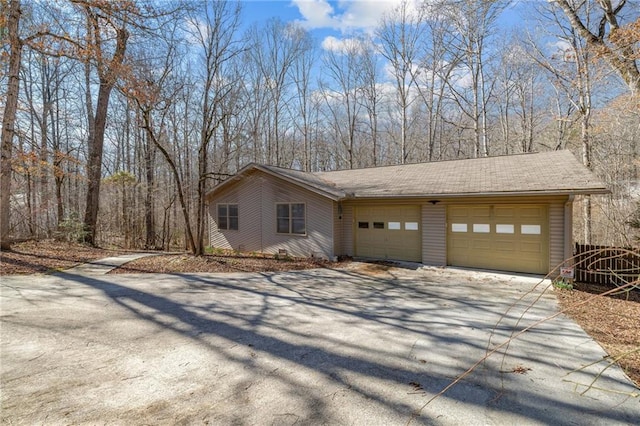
(36, 257)
(614, 322)
(184, 263)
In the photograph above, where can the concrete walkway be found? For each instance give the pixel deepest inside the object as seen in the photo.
(103, 266)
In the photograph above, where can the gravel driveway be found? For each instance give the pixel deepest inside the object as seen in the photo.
(307, 347)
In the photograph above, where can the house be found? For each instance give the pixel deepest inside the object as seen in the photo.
(511, 213)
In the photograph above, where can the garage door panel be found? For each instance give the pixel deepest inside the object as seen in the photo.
(502, 245)
(505, 237)
(460, 243)
(481, 212)
(481, 244)
(532, 247)
(394, 232)
(504, 212)
(531, 212)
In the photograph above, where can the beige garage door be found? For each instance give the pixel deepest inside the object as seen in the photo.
(504, 237)
(388, 232)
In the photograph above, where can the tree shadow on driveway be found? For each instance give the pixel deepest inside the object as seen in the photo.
(326, 346)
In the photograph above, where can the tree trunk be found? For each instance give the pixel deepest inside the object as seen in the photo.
(149, 157)
(96, 137)
(189, 239)
(8, 120)
(44, 149)
(586, 160)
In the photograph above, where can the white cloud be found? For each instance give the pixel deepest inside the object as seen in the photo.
(342, 45)
(559, 46)
(562, 50)
(347, 15)
(315, 13)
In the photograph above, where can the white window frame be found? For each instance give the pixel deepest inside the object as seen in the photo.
(290, 219)
(228, 217)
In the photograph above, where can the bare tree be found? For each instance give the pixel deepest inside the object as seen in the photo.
(437, 68)
(103, 20)
(8, 119)
(301, 72)
(217, 39)
(400, 32)
(521, 93)
(274, 48)
(371, 94)
(474, 23)
(597, 22)
(571, 68)
(344, 70)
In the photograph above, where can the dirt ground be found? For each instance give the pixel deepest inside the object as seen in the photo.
(612, 321)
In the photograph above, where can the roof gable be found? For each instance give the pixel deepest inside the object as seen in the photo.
(303, 179)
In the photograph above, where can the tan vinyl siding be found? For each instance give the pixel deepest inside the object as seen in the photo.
(434, 234)
(556, 235)
(568, 231)
(347, 229)
(318, 240)
(247, 238)
(337, 229)
(256, 196)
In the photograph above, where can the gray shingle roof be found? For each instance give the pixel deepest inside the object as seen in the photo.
(555, 172)
(547, 172)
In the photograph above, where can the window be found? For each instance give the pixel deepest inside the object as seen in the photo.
(482, 228)
(505, 229)
(291, 218)
(411, 226)
(393, 225)
(228, 217)
(530, 229)
(363, 225)
(458, 227)
(378, 225)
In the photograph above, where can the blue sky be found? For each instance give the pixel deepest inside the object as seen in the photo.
(340, 18)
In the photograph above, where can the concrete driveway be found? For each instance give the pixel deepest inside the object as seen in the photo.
(306, 347)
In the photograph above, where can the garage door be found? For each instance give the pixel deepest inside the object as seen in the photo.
(504, 237)
(388, 232)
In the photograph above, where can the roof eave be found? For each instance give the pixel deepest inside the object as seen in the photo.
(598, 191)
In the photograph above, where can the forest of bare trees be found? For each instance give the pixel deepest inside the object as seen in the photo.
(119, 115)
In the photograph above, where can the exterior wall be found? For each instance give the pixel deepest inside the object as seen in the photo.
(330, 225)
(346, 229)
(256, 196)
(556, 235)
(568, 231)
(247, 194)
(434, 234)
